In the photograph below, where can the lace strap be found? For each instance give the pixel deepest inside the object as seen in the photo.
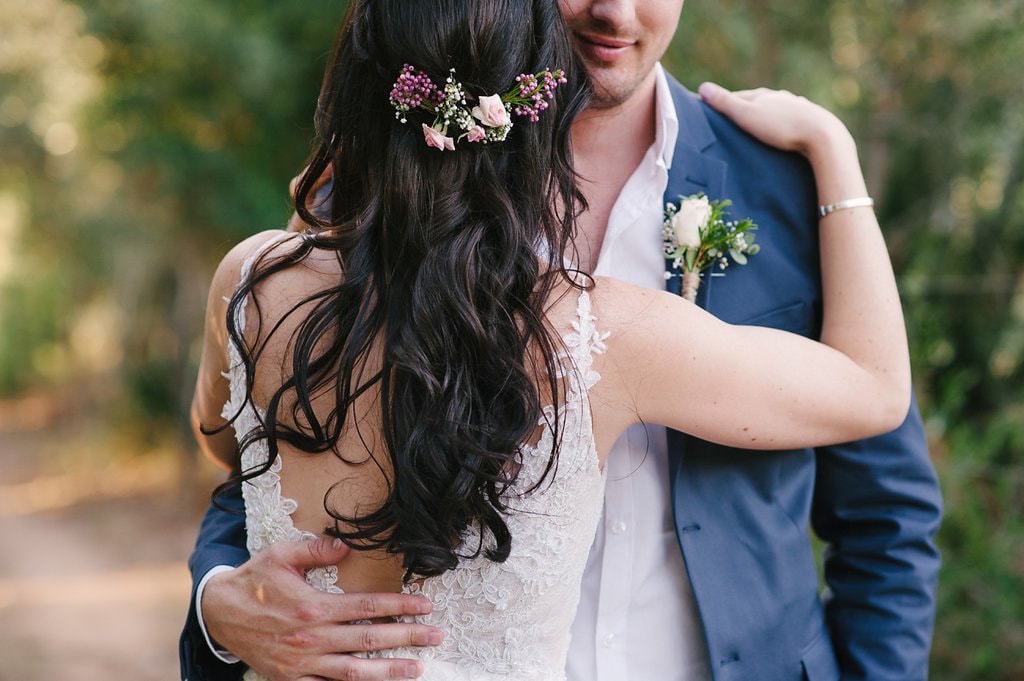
(236, 371)
(585, 341)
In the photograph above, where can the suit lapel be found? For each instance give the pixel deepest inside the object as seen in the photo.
(694, 170)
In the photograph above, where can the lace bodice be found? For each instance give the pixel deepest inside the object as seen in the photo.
(505, 621)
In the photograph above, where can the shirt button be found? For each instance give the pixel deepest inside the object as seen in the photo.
(618, 527)
(608, 641)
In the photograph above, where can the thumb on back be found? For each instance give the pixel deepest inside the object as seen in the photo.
(311, 553)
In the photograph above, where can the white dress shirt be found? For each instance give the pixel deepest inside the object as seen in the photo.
(637, 619)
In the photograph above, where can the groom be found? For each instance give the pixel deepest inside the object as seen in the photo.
(702, 566)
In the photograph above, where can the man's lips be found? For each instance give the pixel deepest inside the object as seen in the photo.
(602, 48)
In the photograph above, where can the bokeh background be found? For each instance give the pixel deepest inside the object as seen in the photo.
(140, 139)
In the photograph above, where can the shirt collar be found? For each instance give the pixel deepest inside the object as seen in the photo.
(666, 119)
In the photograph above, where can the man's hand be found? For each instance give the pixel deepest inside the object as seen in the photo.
(266, 614)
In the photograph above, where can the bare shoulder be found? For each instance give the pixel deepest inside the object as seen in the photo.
(647, 328)
(619, 302)
(229, 271)
(630, 310)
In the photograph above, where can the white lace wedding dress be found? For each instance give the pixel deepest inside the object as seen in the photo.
(502, 621)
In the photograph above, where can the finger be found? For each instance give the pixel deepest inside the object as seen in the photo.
(753, 95)
(353, 638)
(303, 555)
(351, 668)
(366, 606)
(724, 101)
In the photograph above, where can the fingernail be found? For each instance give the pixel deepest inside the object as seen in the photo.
(411, 671)
(708, 91)
(424, 607)
(337, 544)
(435, 637)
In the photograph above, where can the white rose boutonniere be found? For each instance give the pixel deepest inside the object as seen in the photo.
(692, 217)
(697, 237)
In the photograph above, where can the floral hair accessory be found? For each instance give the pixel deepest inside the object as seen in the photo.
(490, 120)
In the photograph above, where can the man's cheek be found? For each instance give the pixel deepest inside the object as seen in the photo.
(570, 9)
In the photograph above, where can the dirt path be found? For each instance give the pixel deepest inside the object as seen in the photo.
(93, 581)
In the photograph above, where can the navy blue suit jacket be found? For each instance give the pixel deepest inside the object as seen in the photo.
(743, 519)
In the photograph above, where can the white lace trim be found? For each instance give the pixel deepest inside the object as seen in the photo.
(503, 621)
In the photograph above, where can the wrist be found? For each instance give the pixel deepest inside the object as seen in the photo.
(204, 599)
(836, 165)
(830, 144)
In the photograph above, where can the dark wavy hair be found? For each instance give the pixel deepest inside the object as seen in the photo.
(445, 273)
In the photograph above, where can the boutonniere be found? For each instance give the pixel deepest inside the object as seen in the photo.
(698, 236)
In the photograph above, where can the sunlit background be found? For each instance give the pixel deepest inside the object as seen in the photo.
(140, 139)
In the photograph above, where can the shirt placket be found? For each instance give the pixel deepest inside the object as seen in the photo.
(619, 522)
(616, 568)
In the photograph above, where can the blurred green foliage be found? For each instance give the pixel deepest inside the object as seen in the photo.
(139, 140)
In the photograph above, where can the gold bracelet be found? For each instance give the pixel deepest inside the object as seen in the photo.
(865, 202)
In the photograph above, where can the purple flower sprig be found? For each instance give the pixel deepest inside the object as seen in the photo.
(414, 90)
(533, 92)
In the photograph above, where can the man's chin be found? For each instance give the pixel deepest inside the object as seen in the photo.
(610, 95)
(613, 86)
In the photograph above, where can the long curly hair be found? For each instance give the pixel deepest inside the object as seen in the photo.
(449, 260)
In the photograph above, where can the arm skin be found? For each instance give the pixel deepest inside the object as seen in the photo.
(855, 383)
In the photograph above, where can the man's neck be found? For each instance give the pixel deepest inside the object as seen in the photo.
(627, 129)
(608, 145)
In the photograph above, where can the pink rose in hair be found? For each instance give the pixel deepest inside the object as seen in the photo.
(477, 134)
(491, 112)
(437, 140)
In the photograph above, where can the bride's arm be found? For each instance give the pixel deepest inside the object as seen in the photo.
(212, 388)
(761, 388)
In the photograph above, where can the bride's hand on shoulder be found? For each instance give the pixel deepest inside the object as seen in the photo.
(778, 118)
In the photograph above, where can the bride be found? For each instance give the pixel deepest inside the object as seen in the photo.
(424, 377)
